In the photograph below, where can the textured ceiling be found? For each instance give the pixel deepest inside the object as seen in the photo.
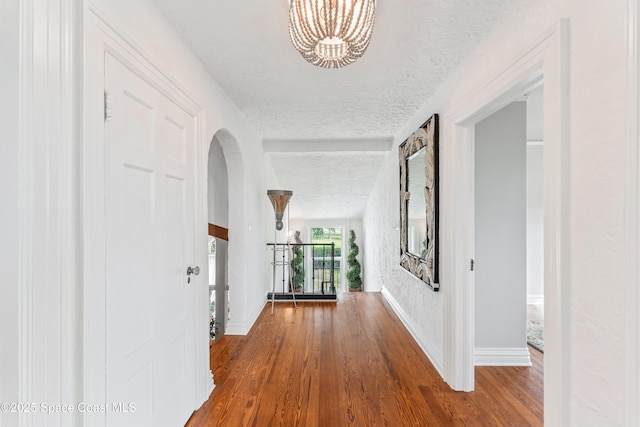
(327, 185)
(415, 45)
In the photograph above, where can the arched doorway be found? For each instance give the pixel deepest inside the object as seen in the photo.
(218, 218)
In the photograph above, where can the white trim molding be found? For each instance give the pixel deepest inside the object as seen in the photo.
(546, 61)
(205, 382)
(632, 219)
(535, 142)
(502, 357)
(26, 208)
(535, 299)
(434, 358)
(50, 103)
(243, 328)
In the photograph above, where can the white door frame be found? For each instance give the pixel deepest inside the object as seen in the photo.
(101, 36)
(44, 302)
(632, 218)
(547, 58)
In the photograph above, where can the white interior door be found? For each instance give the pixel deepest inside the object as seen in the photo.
(150, 337)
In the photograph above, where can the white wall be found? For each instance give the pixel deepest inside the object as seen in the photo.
(420, 308)
(597, 212)
(500, 236)
(218, 186)
(595, 375)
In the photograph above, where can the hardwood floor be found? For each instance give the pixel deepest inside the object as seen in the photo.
(353, 363)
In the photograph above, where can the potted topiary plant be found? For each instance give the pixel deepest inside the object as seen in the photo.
(353, 266)
(297, 264)
(297, 280)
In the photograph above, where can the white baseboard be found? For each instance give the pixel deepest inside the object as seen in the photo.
(210, 385)
(535, 299)
(236, 329)
(434, 358)
(243, 328)
(502, 357)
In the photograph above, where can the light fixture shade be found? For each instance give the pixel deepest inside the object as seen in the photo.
(331, 33)
(279, 200)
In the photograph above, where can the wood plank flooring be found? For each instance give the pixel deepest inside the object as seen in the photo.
(353, 363)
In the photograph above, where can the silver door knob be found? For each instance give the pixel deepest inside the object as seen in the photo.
(193, 270)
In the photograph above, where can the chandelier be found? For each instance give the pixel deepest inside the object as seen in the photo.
(331, 33)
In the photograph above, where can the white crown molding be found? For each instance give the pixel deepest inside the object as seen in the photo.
(162, 81)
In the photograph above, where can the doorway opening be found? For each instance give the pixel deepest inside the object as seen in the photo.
(322, 269)
(500, 238)
(218, 217)
(218, 283)
(212, 287)
(509, 233)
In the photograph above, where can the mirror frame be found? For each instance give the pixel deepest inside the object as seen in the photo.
(426, 136)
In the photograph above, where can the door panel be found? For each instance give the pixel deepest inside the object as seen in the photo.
(176, 141)
(175, 308)
(138, 187)
(150, 339)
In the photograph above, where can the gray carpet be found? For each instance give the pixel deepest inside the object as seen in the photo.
(535, 334)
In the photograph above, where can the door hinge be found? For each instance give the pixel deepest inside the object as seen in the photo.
(107, 106)
(472, 264)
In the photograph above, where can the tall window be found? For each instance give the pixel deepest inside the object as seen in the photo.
(322, 257)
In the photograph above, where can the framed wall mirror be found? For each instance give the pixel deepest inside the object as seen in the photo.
(419, 203)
